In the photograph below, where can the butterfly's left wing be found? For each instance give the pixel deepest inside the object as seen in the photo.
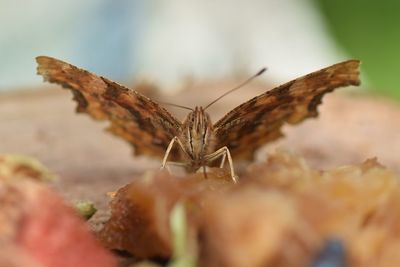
(259, 120)
(147, 126)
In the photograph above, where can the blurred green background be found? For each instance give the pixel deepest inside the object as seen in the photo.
(165, 40)
(369, 30)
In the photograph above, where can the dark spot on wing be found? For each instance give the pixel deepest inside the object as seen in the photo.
(82, 102)
(112, 90)
(315, 101)
(282, 93)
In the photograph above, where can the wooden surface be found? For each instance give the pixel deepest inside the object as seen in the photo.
(91, 162)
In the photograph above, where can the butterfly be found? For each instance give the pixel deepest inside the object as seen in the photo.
(196, 142)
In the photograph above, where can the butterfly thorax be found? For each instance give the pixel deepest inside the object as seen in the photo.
(197, 137)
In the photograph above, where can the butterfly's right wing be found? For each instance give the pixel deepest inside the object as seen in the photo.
(143, 123)
(258, 121)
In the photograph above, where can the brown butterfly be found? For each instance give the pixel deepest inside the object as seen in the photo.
(196, 142)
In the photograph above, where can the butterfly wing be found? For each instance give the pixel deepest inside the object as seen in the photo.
(259, 120)
(143, 123)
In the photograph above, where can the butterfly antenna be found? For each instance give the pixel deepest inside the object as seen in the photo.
(237, 87)
(175, 105)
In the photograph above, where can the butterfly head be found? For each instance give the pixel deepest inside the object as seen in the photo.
(197, 134)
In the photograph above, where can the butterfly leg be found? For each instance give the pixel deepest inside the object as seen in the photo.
(204, 171)
(224, 153)
(169, 148)
(222, 161)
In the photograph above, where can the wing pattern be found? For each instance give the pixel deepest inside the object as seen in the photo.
(259, 120)
(143, 123)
